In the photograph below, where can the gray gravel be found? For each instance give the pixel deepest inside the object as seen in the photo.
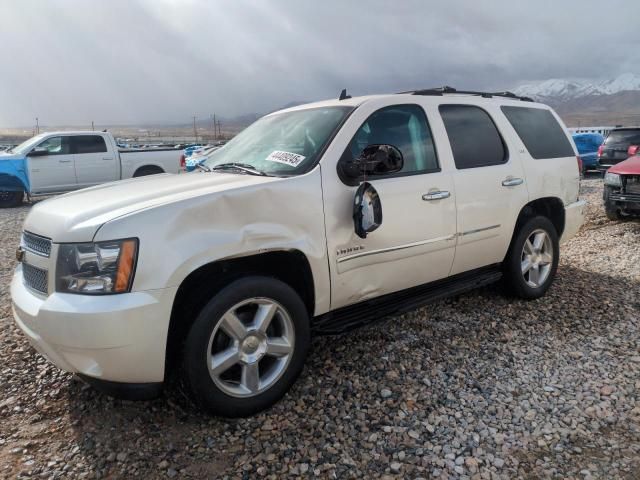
(479, 386)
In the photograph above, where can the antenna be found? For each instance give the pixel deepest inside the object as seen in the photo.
(343, 94)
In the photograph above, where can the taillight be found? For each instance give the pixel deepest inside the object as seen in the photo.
(633, 150)
(183, 161)
(579, 163)
(600, 149)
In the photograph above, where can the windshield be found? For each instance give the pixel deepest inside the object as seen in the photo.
(623, 136)
(27, 145)
(283, 143)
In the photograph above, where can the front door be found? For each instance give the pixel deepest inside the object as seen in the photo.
(94, 163)
(51, 166)
(415, 243)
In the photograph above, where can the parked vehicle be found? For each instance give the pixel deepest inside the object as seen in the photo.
(622, 188)
(198, 157)
(588, 145)
(316, 218)
(615, 147)
(57, 162)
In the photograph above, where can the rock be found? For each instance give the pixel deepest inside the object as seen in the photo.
(395, 467)
(607, 390)
(385, 393)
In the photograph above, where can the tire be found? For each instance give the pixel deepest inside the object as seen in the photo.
(522, 283)
(145, 171)
(229, 389)
(612, 213)
(11, 199)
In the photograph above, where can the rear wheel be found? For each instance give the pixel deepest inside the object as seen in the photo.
(532, 261)
(247, 347)
(11, 199)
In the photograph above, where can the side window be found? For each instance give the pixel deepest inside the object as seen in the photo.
(406, 128)
(539, 131)
(55, 146)
(89, 144)
(475, 140)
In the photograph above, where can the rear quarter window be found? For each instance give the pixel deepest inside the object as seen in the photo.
(540, 132)
(631, 137)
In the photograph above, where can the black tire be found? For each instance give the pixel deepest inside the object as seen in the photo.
(195, 373)
(612, 213)
(11, 199)
(514, 279)
(145, 171)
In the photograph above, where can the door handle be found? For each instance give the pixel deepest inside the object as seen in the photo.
(436, 195)
(512, 182)
(64, 161)
(107, 158)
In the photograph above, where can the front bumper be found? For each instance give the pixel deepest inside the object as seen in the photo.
(114, 338)
(573, 219)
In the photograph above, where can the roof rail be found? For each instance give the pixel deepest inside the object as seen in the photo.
(440, 91)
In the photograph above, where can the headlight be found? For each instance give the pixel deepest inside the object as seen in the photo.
(612, 179)
(96, 268)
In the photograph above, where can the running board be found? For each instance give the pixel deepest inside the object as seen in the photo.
(353, 316)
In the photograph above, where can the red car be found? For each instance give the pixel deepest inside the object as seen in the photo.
(622, 186)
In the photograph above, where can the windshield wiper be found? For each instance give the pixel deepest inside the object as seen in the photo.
(243, 167)
(202, 166)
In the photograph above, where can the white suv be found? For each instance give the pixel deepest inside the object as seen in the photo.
(314, 219)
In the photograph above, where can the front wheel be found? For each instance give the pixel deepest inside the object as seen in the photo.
(247, 347)
(532, 260)
(11, 199)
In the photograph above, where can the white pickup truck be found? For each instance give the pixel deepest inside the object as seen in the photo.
(57, 162)
(313, 219)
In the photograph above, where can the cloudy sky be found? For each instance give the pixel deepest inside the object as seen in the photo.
(146, 61)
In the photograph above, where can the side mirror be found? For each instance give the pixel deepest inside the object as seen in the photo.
(367, 210)
(633, 150)
(374, 160)
(38, 152)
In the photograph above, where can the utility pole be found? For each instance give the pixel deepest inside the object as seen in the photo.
(215, 132)
(92, 129)
(37, 127)
(195, 130)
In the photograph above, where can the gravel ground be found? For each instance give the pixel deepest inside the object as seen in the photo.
(473, 387)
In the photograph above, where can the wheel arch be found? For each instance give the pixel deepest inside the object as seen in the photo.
(289, 266)
(549, 207)
(150, 167)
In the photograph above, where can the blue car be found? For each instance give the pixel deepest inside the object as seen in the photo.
(587, 145)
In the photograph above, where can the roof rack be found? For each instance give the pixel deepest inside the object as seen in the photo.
(440, 91)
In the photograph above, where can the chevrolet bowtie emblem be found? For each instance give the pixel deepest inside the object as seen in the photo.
(20, 254)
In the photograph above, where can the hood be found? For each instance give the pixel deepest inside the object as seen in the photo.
(630, 166)
(10, 156)
(77, 216)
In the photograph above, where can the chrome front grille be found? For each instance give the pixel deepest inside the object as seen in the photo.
(35, 278)
(36, 244)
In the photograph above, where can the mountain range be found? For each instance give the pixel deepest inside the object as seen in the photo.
(613, 101)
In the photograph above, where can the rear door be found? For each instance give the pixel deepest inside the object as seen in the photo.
(489, 183)
(94, 163)
(51, 166)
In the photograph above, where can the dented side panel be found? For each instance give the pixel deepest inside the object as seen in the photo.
(278, 214)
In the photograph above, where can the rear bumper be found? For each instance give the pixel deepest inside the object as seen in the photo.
(573, 219)
(113, 338)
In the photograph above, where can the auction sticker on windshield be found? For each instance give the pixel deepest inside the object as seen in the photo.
(288, 158)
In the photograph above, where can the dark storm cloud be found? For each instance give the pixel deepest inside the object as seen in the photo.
(165, 60)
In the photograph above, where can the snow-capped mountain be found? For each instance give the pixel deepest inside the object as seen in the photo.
(561, 90)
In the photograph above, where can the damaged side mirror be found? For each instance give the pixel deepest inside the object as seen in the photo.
(374, 160)
(367, 210)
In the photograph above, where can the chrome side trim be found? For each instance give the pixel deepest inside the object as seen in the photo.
(396, 248)
(478, 230)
